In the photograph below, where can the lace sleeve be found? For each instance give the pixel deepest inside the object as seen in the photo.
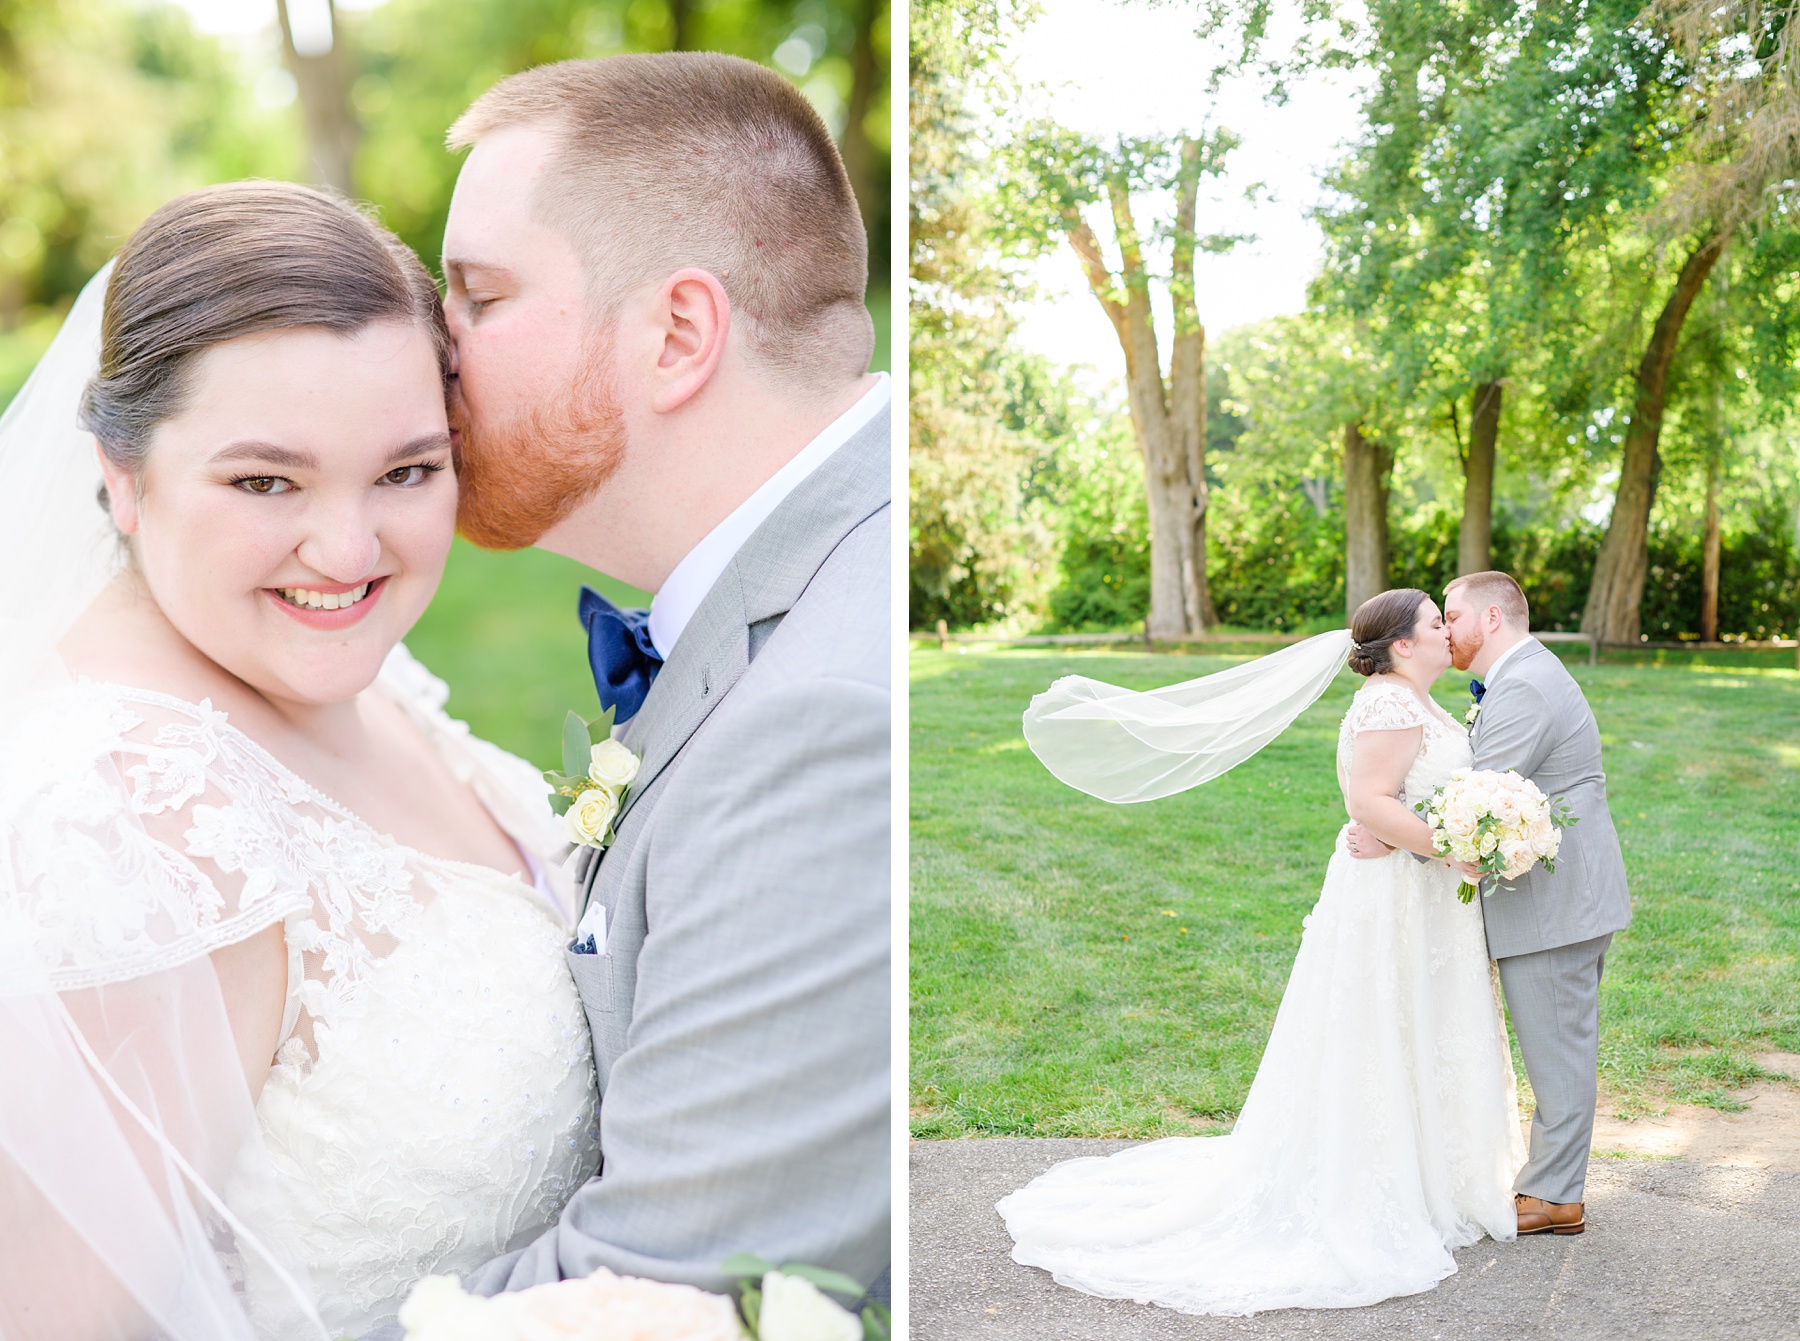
(121, 854)
(1385, 707)
(512, 789)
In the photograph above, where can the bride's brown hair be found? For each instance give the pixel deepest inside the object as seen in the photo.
(233, 260)
(1378, 624)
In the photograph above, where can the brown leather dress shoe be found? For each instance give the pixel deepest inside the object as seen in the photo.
(1537, 1216)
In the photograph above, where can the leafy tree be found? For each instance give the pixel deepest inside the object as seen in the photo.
(1055, 176)
(107, 109)
(982, 417)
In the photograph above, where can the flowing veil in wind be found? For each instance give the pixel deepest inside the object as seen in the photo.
(1125, 745)
(126, 1123)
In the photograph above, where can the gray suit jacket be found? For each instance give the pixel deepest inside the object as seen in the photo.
(1534, 719)
(740, 1012)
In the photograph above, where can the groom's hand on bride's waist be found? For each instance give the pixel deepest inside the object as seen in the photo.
(1363, 844)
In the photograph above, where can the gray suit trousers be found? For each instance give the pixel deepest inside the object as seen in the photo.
(1554, 998)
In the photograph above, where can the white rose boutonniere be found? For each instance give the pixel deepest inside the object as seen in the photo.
(597, 772)
(1473, 712)
(612, 765)
(590, 815)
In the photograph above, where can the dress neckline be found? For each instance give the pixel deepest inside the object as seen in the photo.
(291, 780)
(1430, 704)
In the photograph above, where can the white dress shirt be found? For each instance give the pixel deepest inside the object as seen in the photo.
(1504, 657)
(687, 585)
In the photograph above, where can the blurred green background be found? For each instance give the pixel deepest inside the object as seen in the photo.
(110, 107)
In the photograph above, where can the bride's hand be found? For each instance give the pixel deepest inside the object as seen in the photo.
(1468, 870)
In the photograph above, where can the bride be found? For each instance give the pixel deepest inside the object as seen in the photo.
(1382, 1131)
(284, 1011)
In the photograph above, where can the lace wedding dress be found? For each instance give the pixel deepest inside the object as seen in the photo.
(1380, 1134)
(432, 1103)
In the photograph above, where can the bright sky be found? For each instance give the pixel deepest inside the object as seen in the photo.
(1111, 68)
(243, 17)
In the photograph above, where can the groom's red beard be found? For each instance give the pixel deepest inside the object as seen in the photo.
(521, 477)
(1463, 651)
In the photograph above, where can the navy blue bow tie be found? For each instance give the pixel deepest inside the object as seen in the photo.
(623, 658)
(1477, 688)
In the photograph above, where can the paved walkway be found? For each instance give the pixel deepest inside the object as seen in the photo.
(1679, 1251)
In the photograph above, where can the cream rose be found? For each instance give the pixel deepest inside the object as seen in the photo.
(794, 1309)
(1505, 808)
(621, 1308)
(1460, 817)
(612, 765)
(1519, 856)
(591, 816)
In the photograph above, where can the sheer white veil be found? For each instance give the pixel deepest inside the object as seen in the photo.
(1126, 745)
(57, 545)
(126, 1120)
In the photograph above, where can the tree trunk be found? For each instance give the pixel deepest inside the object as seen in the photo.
(1474, 545)
(859, 155)
(323, 79)
(1187, 395)
(681, 25)
(1709, 555)
(1617, 591)
(1368, 472)
(1169, 422)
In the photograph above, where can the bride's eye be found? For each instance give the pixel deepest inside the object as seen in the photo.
(409, 476)
(263, 484)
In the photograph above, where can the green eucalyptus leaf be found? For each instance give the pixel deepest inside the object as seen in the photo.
(750, 1305)
(601, 727)
(877, 1323)
(746, 1264)
(835, 1281)
(559, 804)
(575, 747)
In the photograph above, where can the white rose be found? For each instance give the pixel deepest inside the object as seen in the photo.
(592, 814)
(439, 1310)
(612, 765)
(794, 1309)
(1489, 841)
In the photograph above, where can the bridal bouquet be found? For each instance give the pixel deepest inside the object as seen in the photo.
(786, 1306)
(1500, 822)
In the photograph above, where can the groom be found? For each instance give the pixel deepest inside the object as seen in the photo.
(1548, 930)
(655, 271)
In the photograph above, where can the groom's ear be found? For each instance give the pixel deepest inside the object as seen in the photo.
(693, 314)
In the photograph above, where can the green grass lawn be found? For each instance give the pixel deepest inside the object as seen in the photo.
(504, 634)
(1082, 969)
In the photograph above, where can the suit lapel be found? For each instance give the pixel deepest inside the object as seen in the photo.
(761, 583)
(1510, 668)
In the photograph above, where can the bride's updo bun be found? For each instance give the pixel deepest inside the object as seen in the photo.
(234, 260)
(1378, 623)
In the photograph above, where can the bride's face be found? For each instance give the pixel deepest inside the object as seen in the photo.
(293, 521)
(1430, 640)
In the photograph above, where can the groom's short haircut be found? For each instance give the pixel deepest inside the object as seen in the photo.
(674, 159)
(1492, 588)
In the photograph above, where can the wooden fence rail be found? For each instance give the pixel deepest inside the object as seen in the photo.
(944, 638)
